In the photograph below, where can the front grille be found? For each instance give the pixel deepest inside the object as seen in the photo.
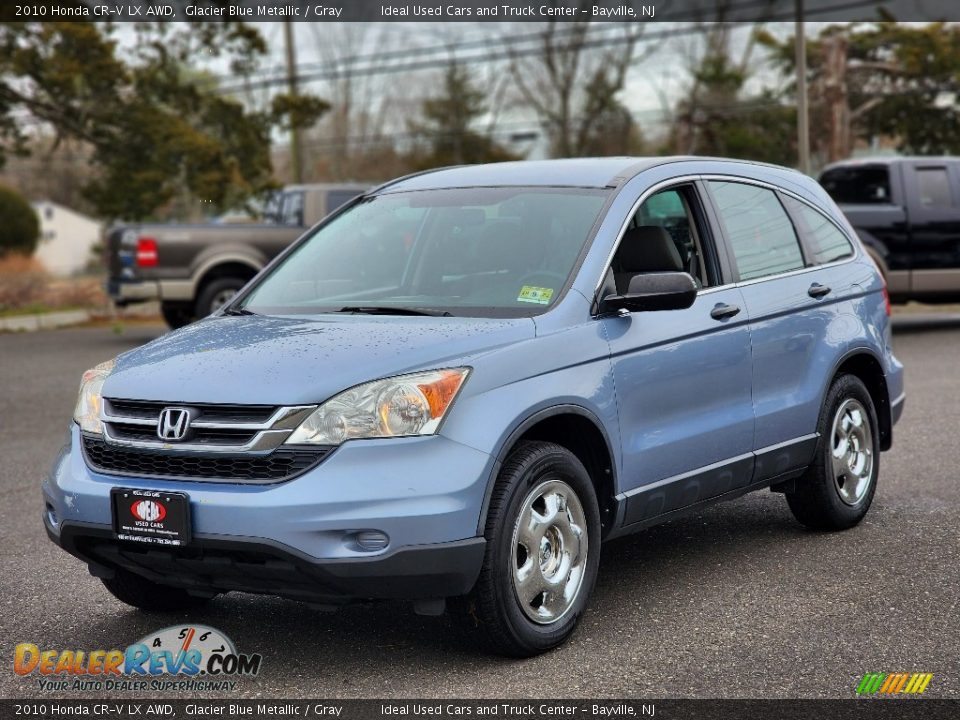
(199, 436)
(281, 464)
(208, 428)
(150, 410)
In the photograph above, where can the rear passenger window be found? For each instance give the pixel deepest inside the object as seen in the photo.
(758, 229)
(823, 238)
(858, 184)
(292, 213)
(933, 186)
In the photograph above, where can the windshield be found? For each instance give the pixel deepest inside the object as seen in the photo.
(493, 252)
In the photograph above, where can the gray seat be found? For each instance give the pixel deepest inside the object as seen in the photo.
(648, 248)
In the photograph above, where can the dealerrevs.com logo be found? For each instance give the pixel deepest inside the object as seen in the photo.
(894, 683)
(179, 657)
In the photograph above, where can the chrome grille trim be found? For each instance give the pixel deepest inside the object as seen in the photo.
(267, 435)
(263, 442)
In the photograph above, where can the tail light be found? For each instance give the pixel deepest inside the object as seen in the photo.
(146, 252)
(886, 300)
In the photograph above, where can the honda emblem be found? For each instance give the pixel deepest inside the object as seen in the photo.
(174, 424)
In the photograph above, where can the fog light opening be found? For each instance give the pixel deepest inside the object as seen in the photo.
(52, 516)
(371, 540)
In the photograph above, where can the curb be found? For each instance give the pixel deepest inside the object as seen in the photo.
(43, 321)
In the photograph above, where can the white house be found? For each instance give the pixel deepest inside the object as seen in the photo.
(66, 238)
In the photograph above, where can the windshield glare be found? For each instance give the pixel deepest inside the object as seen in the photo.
(498, 252)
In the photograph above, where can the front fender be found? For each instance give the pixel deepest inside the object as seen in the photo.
(513, 388)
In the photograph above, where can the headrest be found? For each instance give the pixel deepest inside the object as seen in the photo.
(648, 248)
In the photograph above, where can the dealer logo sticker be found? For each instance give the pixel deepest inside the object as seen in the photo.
(148, 510)
(176, 658)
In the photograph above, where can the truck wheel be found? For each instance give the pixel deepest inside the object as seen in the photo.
(837, 489)
(543, 549)
(216, 294)
(141, 593)
(176, 314)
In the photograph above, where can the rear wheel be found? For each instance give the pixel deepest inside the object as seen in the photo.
(543, 548)
(838, 488)
(140, 593)
(176, 314)
(216, 294)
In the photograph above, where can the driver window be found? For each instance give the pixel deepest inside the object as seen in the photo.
(662, 237)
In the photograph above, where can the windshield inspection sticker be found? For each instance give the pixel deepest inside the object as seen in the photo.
(538, 295)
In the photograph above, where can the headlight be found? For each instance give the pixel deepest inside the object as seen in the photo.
(87, 413)
(403, 405)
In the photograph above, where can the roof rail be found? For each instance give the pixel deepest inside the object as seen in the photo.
(395, 181)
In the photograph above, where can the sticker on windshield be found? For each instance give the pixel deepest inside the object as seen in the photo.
(538, 295)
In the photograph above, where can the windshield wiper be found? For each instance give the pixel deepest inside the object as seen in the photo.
(391, 310)
(237, 311)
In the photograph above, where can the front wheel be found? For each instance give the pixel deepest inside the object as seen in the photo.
(838, 487)
(543, 549)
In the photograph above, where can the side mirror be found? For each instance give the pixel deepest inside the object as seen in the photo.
(654, 291)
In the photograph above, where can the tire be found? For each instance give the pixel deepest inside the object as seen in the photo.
(836, 494)
(510, 616)
(143, 594)
(211, 297)
(176, 315)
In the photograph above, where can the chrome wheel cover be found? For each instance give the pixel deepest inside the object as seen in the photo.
(851, 454)
(549, 552)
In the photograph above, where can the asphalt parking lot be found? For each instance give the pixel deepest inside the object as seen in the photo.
(737, 601)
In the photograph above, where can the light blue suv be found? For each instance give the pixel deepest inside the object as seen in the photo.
(465, 381)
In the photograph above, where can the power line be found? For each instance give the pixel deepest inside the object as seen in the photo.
(504, 48)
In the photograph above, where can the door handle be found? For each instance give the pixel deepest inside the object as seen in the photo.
(818, 291)
(722, 311)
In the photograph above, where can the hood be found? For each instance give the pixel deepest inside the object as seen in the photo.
(260, 360)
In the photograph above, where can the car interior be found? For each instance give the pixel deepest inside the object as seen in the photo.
(662, 236)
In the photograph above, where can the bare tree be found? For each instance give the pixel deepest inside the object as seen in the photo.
(366, 103)
(573, 79)
(717, 77)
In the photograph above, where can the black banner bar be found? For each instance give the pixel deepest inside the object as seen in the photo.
(513, 11)
(161, 709)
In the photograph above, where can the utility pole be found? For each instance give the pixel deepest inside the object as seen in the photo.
(835, 95)
(803, 117)
(296, 159)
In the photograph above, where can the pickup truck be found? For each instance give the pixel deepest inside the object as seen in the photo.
(194, 269)
(906, 211)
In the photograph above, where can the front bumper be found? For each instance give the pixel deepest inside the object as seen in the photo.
(210, 565)
(298, 538)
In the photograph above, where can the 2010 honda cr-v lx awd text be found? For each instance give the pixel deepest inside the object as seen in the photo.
(465, 381)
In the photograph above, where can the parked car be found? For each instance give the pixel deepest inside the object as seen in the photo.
(462, 384)
(194, 269)
(906, 211)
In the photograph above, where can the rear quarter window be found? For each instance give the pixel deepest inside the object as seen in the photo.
(825, 240)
